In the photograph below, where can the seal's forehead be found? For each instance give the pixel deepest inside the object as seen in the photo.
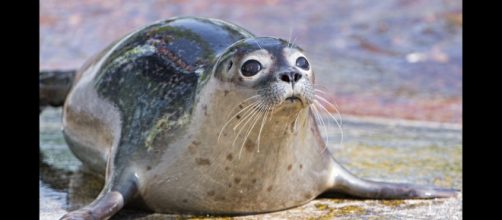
(274, 46)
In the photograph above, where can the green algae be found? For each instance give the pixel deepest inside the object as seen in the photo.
(343, 211)
(161, 125)
(208, 217)
(321, 206)
(442, 164)
(392, 203)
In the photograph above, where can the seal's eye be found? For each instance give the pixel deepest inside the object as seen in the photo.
(302, 63)
(250, 68)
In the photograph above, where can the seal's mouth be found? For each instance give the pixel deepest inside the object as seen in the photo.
(294, 98)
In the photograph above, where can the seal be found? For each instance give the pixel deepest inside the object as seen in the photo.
(197, 115)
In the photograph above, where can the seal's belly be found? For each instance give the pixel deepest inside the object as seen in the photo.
(221, 183)
(228, 194)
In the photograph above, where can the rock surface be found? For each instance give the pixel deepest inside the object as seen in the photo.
(389, 59)
(392, 150)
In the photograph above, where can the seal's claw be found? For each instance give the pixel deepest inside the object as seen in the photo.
(442, 193)
(103, 207)
(80, 214)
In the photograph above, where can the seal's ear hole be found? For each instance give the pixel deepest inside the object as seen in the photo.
(229, 65)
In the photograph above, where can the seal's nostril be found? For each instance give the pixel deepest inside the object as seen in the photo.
(290, 77)
(297, 76)
(285, 78)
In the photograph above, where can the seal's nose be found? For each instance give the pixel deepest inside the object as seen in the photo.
(290, 77)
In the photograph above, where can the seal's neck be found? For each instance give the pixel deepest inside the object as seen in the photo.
(277, 147)
(229, 119)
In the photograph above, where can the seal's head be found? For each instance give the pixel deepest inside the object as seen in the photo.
(278, 72)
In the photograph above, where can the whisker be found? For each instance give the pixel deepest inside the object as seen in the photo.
(339, 122)
(332, 105)
(236, 106)
(298, 114)
(290, 35)
(271, 113)
(306, 118)
(233, 117)
(339, 127)
(248, 119)
(251, 129)
(292, 43)
(321, 91)
(247, 114)
(258, 43)
(319, 118)
(286, 125)
(264, 118)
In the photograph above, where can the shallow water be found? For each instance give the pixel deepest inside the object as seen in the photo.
(391, 151)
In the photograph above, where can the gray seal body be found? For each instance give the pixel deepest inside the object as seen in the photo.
(196, 115)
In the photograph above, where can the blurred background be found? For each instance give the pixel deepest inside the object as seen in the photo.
(388, 58)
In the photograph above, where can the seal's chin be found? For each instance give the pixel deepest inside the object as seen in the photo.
(293, 101)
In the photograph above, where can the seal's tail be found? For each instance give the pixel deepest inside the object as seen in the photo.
(345, 182)
(54, 86)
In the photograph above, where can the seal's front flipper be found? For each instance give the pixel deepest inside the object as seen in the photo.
(102, 208)
(347, 183)
(108, 202)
